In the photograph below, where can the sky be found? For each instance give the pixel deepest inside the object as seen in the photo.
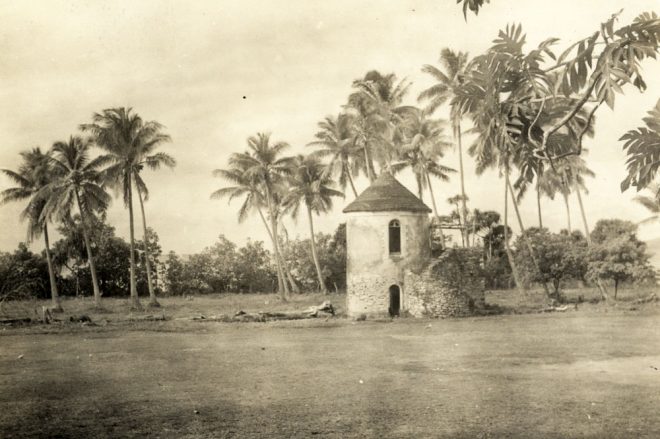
(216, 72)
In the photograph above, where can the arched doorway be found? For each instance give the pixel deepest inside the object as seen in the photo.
(395, 301)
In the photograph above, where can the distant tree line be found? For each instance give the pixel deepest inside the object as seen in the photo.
(615, 256)
(225, 267)
(220, 268)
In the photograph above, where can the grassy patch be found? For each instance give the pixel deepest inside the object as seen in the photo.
(576, 374)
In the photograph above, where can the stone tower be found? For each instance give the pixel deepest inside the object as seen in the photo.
(387, 233)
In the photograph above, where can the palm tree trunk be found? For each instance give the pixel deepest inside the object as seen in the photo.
(459, 143)
(287, 272)
(525, 238)
(538, 204)
(280, 285)
(57, 306)
(284, 291)
(350, 180)
(587, 235)
(509, 255)
(153, 302)
(368, 163)
(280, 260)
(314, 254)
(568, 211)
(90, 257)
(435, 209)
(135, 300)
(461, 224)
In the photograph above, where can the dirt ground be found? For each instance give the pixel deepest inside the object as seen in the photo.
(590, 373)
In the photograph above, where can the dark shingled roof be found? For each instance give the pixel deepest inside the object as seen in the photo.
(386, 194)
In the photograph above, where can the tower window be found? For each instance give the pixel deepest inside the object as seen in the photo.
(395, 236)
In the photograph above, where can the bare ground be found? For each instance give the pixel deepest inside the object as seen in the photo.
(590, 373)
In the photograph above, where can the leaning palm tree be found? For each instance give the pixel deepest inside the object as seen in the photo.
(445, 89)
(127, 140)
(32, 176)
(153, 162)
(243, 185)
(312, 186)
(78, 181)
(337, 140)
(262, 169)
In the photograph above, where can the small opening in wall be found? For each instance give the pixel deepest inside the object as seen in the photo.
(395, 301)
(395, 237)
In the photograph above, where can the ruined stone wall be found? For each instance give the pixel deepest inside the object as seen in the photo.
(370, 269)
(451, 285)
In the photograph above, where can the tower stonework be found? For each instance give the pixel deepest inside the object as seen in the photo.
(387, 233)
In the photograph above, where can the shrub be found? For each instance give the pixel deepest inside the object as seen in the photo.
(560, 257)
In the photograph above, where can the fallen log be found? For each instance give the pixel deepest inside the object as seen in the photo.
(555, 309)
(148, 318)
(323, 310)
(16, 322)
(326, 307)
(650, 298)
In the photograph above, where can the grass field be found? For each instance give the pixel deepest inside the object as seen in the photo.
(587, 373)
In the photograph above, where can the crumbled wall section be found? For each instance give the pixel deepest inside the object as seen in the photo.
(449, 286)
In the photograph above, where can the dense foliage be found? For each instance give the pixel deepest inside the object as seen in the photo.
(618, 255)
(23, 274)
(560, 257)
(224, 267)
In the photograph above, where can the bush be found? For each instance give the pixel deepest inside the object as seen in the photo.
(560, 257)
(618, 255)
(23, 274)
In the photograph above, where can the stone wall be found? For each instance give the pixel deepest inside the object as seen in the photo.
(452, 285)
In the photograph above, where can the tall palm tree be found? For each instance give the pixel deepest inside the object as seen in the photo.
(337, 140)
(424, 144)
(263, 167)
(445, 89)
(153, 162)
(79, 182)
(574, 170)
(312, 186)
(127, 140)
(377, 103)
(33, 175)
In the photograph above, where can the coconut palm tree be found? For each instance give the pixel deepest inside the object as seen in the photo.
(574, 170)
(424, 144)
(127, 139)
(78, 181)
(447, 84)
(33, 175)
(153, 162)
(263, 167)
(312, 186)
(337, 140)
(377, 104)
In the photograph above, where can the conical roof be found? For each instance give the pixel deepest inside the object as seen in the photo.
(386, 194)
